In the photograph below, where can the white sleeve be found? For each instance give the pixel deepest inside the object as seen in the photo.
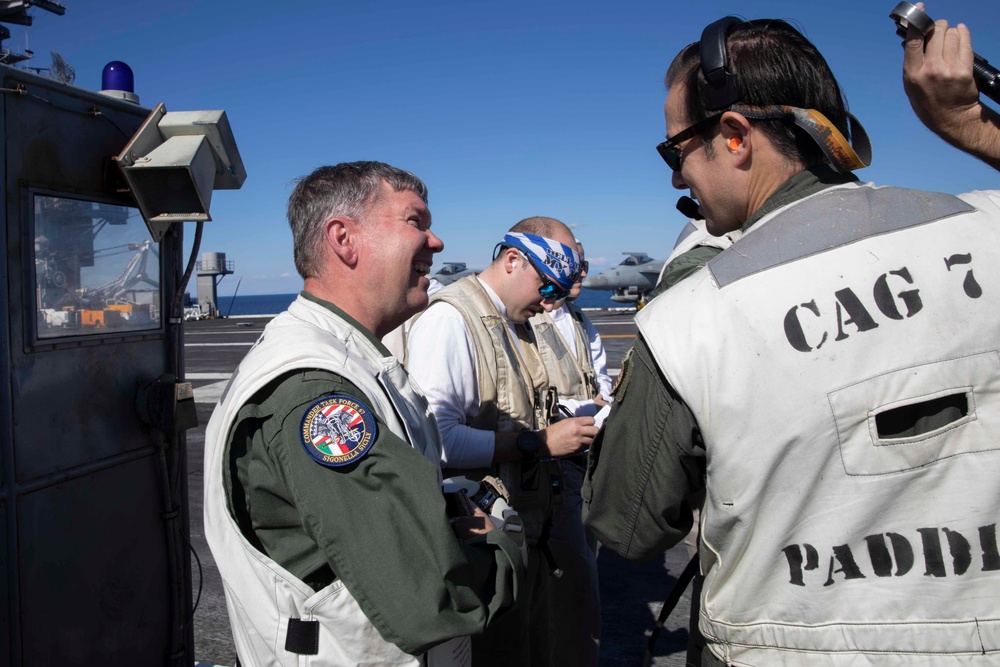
(599, 359)
(443, 364)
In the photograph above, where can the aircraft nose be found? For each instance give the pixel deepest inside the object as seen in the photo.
(595, 282)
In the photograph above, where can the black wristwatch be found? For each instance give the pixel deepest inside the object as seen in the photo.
(528, 443)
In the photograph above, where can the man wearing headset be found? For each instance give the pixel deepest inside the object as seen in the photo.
(835, 387)
(474, 355)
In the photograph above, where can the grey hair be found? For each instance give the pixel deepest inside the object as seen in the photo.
(347, 190)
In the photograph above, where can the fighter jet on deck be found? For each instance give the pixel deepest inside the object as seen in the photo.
(452, 271)
(631, 280)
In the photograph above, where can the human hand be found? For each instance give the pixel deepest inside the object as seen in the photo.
(467, 527)
(938, 80)
(567, 436)
(599, 401)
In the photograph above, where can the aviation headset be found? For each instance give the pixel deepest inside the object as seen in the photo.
(723, 91)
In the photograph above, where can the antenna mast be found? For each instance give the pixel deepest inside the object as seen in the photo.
(16, 12)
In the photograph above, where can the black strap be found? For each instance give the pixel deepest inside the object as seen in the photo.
(302, 637)
(668, 606)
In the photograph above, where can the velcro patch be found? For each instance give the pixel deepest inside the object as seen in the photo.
(338, 430)
(621, 384)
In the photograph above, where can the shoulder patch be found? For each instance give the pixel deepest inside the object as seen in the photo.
(621, 384)
(338, 430)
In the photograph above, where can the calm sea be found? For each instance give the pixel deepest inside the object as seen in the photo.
(271, 304)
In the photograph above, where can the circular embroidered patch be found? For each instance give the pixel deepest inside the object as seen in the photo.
(338, 430)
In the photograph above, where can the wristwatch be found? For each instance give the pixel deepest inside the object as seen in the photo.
(528, 443)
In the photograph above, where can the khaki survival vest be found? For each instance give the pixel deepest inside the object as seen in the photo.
(514, 394)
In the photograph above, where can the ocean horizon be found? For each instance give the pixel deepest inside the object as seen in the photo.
(272, 304)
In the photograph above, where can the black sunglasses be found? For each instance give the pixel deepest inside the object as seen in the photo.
(548, 290)
(668, 149)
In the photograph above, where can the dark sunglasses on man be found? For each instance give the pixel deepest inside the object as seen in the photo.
(549, 289)
(670, 150)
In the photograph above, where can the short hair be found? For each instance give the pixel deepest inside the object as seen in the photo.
(539, 226)
(773, 64)
(345, 190)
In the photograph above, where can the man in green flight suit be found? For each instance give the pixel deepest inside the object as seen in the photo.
(833, 456)
(323, 502)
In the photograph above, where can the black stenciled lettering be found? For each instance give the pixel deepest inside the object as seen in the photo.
(988, 543)
(881, 557)
(903, 551)
(933, 556)
(848, 301)
(886, 301)
(842, 555)
(961, 551)
(972, 288)
(796, 564)
(795, 334)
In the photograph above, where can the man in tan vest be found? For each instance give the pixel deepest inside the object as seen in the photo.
(476, 359)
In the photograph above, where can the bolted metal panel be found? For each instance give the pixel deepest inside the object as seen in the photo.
(92, 561)
(76, 406)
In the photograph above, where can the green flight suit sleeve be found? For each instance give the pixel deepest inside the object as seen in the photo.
(379, 523)
(644, 465)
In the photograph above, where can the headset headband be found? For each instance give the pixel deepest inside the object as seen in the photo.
(723, 90)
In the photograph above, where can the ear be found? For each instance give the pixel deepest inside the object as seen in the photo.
(737, 136)
(340, 236)
(511, 259)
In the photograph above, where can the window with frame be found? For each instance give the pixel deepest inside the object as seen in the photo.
(97, 270)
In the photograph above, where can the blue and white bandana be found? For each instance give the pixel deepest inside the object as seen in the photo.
(559, 262)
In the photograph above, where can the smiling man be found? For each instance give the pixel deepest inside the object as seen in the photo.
(474, 354)
(323, 503)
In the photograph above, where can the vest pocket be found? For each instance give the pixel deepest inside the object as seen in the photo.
(917, 416)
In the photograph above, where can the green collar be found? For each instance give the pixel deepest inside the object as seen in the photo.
(799, 186)
(383, 350)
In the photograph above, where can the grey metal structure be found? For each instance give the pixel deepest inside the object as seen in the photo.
(93, 502)
(211, 266)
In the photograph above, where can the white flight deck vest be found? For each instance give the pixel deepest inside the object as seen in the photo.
(573, 376)
(262, 596)
(826, 538)
(695, 233)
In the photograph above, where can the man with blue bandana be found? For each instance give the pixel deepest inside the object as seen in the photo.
(474, 355)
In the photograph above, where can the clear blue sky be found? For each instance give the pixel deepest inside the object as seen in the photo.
(505, 109)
